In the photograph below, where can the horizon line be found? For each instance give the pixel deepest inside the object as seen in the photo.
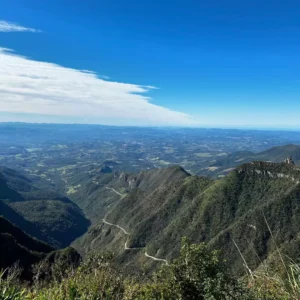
(213, 127)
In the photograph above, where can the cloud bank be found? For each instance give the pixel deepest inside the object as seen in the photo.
(10, 27)
(35, 87)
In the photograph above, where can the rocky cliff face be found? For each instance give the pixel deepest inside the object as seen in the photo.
(271, 170)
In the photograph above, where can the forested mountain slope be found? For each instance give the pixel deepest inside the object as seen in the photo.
(227, 213)
(97, 192)
(18, 248)
(43, 214)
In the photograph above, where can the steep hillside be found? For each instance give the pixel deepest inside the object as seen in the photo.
(235, 208)
(16, 247)
(43, 214)
(149, 221)
(22, 238)
(96, 193)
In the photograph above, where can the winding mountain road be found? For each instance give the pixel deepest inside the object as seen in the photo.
(127, 233)
(129, 248)
(115, 225)
(157, 259)
(118, 193)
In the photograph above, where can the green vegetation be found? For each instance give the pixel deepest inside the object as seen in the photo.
(275, 154)
(198, 273)
(162, 206)
(41, 213)
(23, 251)
(69, 176)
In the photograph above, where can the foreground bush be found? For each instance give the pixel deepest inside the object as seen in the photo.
(268, 285)
(197, 274)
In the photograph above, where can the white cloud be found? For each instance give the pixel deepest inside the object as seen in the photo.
(28, 86)
(9, 27)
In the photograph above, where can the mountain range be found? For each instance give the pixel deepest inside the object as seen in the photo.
(141, 217)
(252, 211)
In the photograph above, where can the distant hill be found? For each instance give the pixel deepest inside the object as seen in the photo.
(150, 219)
(276, 154)
(41, 213)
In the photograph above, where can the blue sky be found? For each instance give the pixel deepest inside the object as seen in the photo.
(213, 63)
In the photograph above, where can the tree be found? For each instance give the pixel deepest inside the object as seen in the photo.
(200, 274)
